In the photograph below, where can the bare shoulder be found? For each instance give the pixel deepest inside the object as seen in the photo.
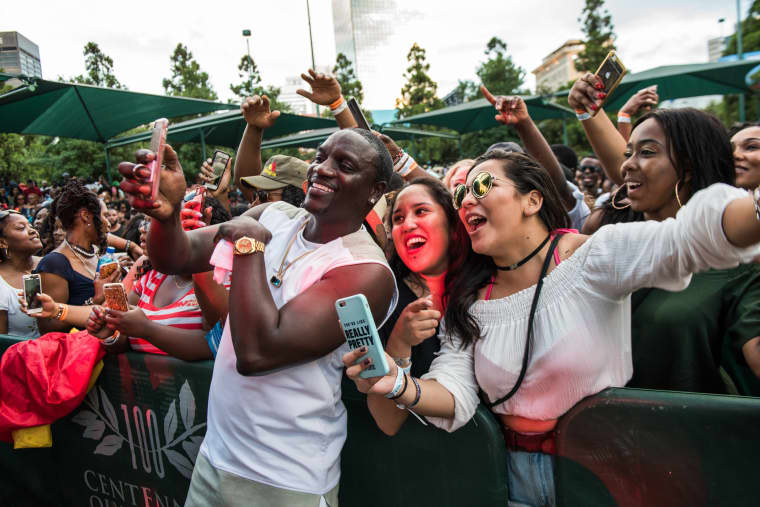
(569, 243)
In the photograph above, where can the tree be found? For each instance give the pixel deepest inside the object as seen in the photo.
(250, 85)
(419, 94)
(600, 36)
(349, 82)
(499, 73)
(750, 32)
(99, 68)
(466, 90)
(187, 79)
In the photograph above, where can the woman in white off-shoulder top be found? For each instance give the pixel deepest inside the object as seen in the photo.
(581, 331)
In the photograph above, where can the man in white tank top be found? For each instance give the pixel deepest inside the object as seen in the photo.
(276, 423)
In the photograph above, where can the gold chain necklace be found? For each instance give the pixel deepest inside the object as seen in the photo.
(276, 279)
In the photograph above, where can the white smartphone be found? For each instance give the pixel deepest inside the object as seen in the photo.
(32, 287)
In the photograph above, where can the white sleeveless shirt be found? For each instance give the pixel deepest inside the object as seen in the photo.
(286, 428)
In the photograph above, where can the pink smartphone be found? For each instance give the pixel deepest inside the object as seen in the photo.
(157, 144)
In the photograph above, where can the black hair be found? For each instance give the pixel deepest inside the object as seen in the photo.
(738, 127)
(293, 195)
(527, 175)
(383, 162)
(396, 182)
(566, 155)
(459, 240)
(46, 234)
(697, 143)
(3, 256)
(219, 214)
(238, 209)
(132, 229)
(73, 197)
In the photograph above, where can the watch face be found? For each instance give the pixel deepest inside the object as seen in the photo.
(244, 245)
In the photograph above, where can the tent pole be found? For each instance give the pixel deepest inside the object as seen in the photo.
(414, 149)
(741, 108)
(203, 145)
(108, 163)
(564, 131)
(459, 142)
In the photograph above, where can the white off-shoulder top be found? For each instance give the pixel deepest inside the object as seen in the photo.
(582, 326)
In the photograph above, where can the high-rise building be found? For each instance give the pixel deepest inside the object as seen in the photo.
(299, 104)
(365, 32)
(715, 48)
(19, 55)
(558, 67)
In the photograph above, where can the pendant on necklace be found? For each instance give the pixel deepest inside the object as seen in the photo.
(275, 281)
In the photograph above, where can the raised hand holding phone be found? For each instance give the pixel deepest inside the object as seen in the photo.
(171, 189)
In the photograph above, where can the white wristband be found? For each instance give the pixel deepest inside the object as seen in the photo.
(398, 385)
(404, 165)
(342, 107)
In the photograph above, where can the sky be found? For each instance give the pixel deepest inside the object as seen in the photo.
(141, 35)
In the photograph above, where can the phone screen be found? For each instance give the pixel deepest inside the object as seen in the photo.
(218, 165)
(116, 297)
(611, 72)
(32, 287)
(157, 144)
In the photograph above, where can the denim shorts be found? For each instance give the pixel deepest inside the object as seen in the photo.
(530, 477)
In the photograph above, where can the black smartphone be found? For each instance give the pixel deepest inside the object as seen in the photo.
(32, 287)
(219, 164)
(356, 111)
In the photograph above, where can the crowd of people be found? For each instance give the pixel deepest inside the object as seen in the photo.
(525, 279)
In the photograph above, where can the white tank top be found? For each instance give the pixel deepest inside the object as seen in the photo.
(287, 428)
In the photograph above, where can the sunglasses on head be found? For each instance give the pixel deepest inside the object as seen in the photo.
(4, 213)
(481, 185)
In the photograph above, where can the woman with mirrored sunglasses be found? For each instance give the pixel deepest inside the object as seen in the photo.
(540, 319)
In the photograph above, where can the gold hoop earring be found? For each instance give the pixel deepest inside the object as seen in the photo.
(612, 199)
(678, 199)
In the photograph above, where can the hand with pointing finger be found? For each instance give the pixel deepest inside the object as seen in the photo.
(512, 110)
(417, 323)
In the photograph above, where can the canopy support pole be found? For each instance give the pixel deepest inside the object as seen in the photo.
(564, 131)
(108, 163)
(459, 142)
(414, 149)
(203, 145)
(741, 108)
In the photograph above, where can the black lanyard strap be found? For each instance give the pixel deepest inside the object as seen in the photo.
(529, 336)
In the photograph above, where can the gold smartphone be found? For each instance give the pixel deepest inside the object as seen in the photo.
(611, 72)
(116, 297)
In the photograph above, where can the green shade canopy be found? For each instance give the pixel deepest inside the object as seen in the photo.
(680, 81)
(226, 129)
(479, 115)
(314, 138)
(88, 112)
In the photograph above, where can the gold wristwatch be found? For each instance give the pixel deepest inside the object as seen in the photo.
(247, 246)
